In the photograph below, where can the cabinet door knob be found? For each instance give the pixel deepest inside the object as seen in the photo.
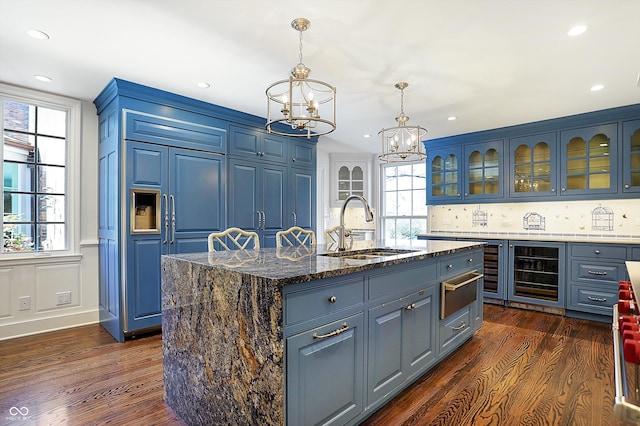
(553, 190)
(596, 251)
(332, 299)
(293, 159)
(470, 260)
(627, 186)
(449, 266)
(563, 189)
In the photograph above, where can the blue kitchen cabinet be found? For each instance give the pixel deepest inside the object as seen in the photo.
(445, 175)
(325, 366)
(631, 156)
(589, 160)
(258, 198)
(402, 327)
(484, 168)
(537, 274)
(534, 166)
(182, 190)
(595, 272)
(302, 210)
(253, 143)
(302, 153)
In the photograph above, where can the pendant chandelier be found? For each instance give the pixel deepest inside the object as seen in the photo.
(305, 106)
(402, 143)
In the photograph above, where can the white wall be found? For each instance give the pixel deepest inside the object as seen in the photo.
(42, 277)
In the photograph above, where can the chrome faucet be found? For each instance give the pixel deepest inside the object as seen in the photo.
(368, 216)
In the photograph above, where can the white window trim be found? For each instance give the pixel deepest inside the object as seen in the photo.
(73, 107)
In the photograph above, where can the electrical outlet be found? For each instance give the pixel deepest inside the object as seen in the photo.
(25, 303)
(64, 297)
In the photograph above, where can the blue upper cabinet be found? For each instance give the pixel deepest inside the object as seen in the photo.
(444, 175)
(589, 160)
(533, 162)
(631, 156)
(484, 168)
(588, 156)
(253, 143)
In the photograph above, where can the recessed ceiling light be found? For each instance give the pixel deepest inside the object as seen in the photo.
(203, 85)
(43, 78)
(597, 87)
(451, 118)
(38, 34)
(577, 30)
(366, 135)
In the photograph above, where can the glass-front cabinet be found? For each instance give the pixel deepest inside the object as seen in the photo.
(533, 160)
(589, 158)
(631, 156)
(484, 170)
(443, 175)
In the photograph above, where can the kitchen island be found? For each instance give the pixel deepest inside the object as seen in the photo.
(311, 335)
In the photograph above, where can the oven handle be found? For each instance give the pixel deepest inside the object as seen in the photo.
(454, 287)
(623, 408)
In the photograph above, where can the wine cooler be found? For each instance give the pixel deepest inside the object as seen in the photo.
(537, 273)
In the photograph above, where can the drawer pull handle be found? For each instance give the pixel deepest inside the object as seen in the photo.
(332, 299)
(596, 251)
(411, 306)
(340, 330)
(597, 272)
(460, 327)
(449, 266)
(470, 260)
(597, 299)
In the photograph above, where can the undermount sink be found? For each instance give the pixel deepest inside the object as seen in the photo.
(368, 254)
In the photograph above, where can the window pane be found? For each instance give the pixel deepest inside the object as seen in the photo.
(51, 151)
(52, 122)
(419, 176)
(17, 237)
(18, 177)
(403, 229)
(420, 203)
(390, 179)
(404, 203)
(418, 226)
(19, 147)
(51, 208)
(389, 229)
(390, 203)
(18, 207)
(404, 177)
(51, 179)
(19, 116)
(357, 173)
(51, 237)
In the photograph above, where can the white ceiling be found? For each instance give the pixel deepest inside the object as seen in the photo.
(491, 63)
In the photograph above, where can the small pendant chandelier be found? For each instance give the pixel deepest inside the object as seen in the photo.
(402, 143)
(307, 107)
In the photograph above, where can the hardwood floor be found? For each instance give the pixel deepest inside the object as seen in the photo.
(520, 368)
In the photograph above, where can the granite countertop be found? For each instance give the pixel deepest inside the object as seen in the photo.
(291, 265)
(522, 236)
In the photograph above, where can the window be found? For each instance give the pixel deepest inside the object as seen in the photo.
(36, 172)
(404, 209)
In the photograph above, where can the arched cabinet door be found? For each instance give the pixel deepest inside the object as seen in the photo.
(588, 160)
(483, 171)
(533, 161)
(631, 156)
(444, 176)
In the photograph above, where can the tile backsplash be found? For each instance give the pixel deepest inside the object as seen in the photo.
(604, 219)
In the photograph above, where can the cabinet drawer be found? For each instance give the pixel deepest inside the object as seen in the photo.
(459, 264)
(608, 251)
(392, 282)
(455, 329)
(597, 299)
(597, 271)
(152, 128)
(635, 253)
(305, 305)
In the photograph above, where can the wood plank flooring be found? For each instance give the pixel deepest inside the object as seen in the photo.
(520, 368)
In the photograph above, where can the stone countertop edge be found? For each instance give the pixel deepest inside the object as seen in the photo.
(534, 237)
(292, 265)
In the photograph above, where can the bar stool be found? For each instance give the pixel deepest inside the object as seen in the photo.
(295, 236)
(240, 238)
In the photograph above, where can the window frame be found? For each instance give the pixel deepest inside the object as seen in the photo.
(383, 199)
(73, 109)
